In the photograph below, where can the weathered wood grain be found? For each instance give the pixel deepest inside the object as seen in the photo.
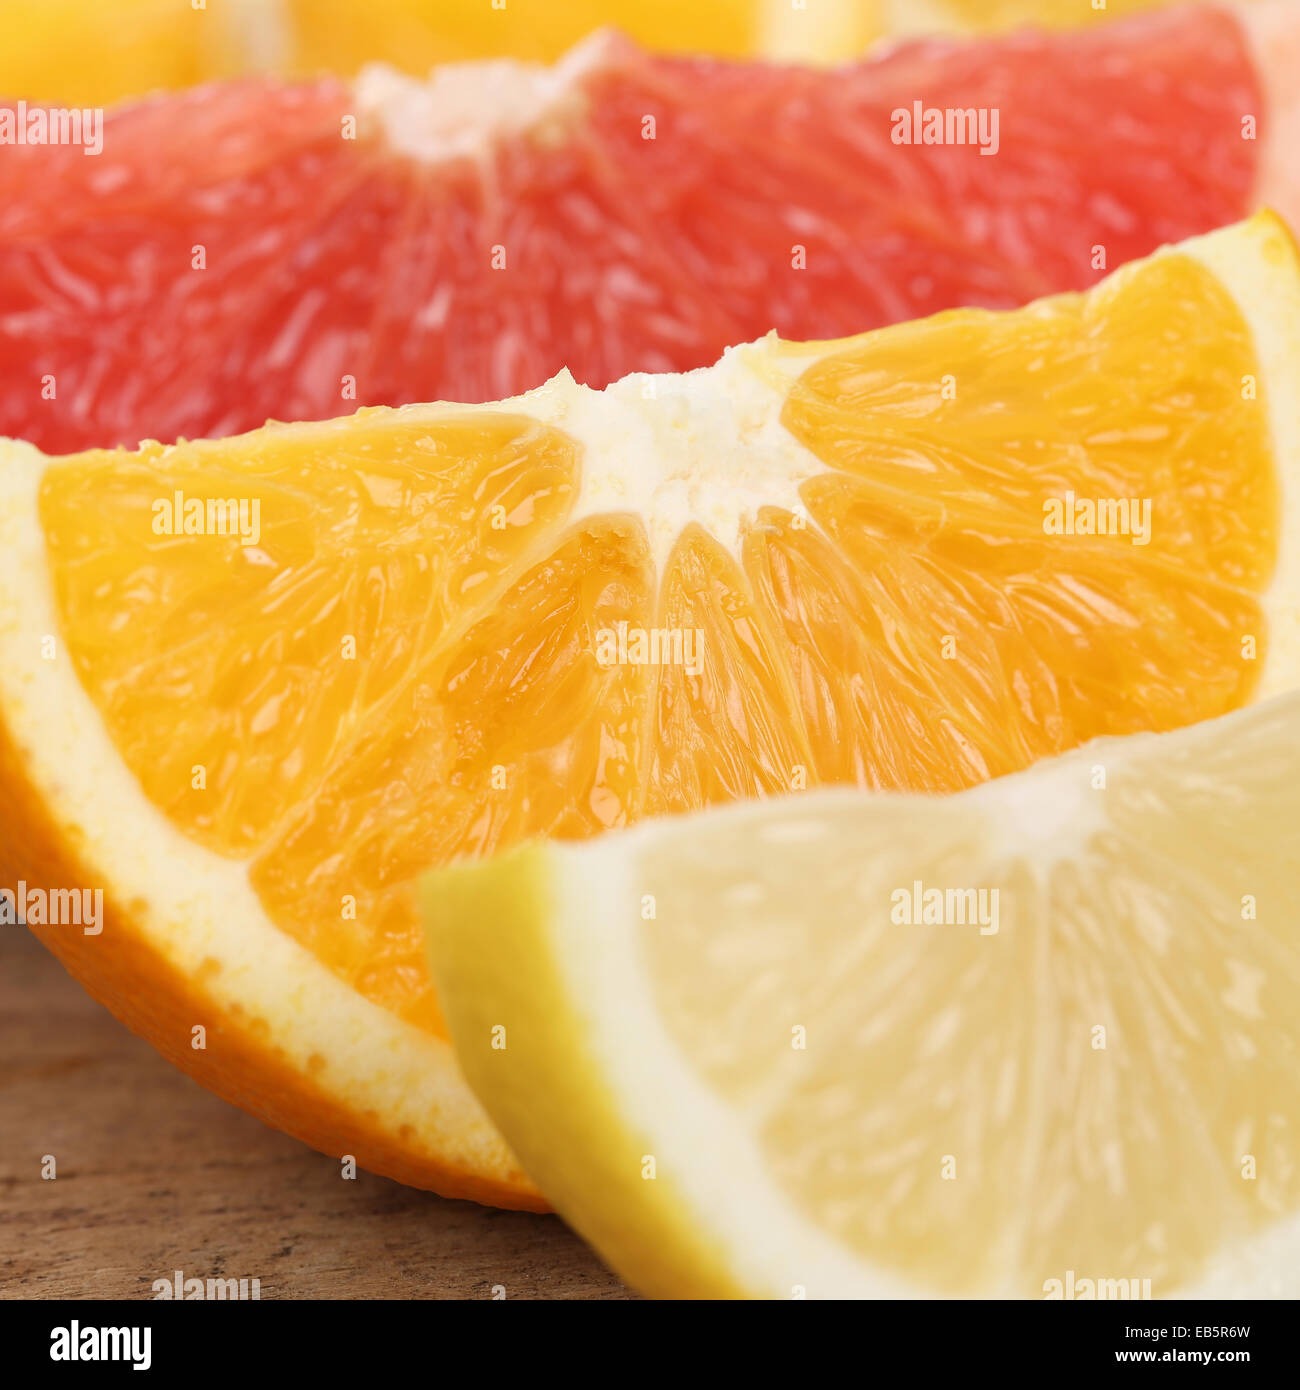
(155, 1175)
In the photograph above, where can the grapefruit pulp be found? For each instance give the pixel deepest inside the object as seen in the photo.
(236, 255)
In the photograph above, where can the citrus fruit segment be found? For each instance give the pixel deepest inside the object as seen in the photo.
(466, 238)
(84, 52)
(828, 31)
(1040, 1034)
(81, 51)
(255, 687)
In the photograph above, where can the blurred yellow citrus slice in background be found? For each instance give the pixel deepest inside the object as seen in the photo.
(86, 52)
(253, 688)
(90, 53)
(832, 30)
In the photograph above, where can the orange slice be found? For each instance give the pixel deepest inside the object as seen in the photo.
(253, 688)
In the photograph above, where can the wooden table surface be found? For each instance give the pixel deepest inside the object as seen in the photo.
(155, 1175)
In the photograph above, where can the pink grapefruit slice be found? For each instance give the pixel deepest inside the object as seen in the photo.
(259, 250)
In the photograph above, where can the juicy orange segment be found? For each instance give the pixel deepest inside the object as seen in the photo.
(263, 654)
(990, 638)
(428, 648)
(508, 730)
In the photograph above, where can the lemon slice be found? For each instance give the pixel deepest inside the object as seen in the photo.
(1041, 1032)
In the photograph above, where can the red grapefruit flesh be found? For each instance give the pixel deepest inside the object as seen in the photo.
(234, 255)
